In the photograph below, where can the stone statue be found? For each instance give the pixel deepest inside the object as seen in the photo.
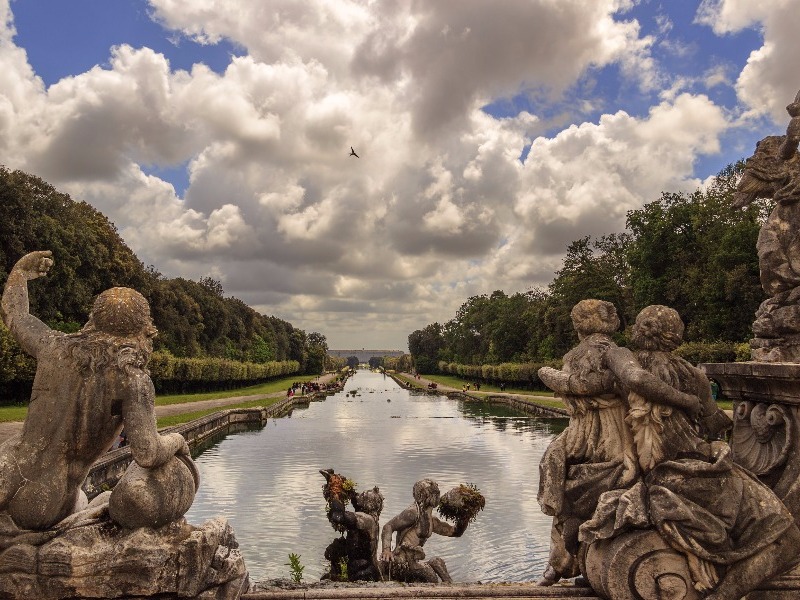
(774, 172)
(353, 557)
(693, 524)
(414, 526)
(595, 453)
(88, 385)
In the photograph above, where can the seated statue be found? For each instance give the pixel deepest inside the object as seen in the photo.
(131, 541)
(353, 557)
(595, 452)
(88, 385)
(692, 523)
(414, 526)
(731, 529)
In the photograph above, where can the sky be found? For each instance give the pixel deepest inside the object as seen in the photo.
(215, 135)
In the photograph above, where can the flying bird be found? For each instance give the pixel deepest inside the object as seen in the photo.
(353, 153)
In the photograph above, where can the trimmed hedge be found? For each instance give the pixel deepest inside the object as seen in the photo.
(169, 373)
(714, 352)
(172, 374)
(524, 374)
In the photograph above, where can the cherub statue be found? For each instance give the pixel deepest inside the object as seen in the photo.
(357, 552)
(414, 526)
(88, 385)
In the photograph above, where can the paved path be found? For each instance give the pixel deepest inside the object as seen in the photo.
(8, 430)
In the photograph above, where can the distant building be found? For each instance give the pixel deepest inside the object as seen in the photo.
(364, 355)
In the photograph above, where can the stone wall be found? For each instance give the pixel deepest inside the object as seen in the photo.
(107, 471)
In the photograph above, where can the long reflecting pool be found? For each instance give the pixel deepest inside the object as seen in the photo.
(377, 433)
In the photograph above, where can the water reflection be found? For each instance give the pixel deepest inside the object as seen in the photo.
(267, 482)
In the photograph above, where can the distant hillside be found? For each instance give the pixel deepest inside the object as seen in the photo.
(193, 318)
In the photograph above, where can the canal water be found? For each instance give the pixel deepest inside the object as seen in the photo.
(267, 482)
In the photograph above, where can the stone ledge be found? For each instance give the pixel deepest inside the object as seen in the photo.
(759, 381)
(421, 591)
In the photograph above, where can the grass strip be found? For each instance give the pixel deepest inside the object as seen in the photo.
(457, 382)
(18, 412)
(269, 387)
(13, 413)
(191, 416)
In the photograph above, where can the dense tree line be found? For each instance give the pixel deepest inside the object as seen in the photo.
(693, 252)
(400, 363)
(194, 318)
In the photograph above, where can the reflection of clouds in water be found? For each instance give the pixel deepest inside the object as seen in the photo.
(272, 478)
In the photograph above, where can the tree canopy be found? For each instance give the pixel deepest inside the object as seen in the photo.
(194, 318)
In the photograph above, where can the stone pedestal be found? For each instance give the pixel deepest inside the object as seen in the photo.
(766, 416)
(102, 560)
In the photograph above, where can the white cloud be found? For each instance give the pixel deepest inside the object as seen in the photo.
(770, 80)
(437, 208)
(586, 178)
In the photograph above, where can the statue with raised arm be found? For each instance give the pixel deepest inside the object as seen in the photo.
(414, 526)
(774, 172)
(353, 557)
(131, 541)
(88, 385)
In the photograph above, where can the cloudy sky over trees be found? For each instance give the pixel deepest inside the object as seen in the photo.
(215, 134)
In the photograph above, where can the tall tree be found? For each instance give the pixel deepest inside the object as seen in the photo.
(696, 254)
(424, 346)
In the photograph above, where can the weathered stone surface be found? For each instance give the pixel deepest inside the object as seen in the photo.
(765, 437)
(132, 541)
(688, 522)
(154, 497)
(639, 565)
(103, 560)
(774, 172)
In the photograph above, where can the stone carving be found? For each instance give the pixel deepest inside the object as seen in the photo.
(414, 526)
(594, 453)
(691, 522)
(353, 557)
(774, 172)
(766, 391)
(87, 386)
(763, 437)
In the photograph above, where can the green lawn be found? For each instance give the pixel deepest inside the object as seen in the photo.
(459, 382)
(279, 385)
(12, 413)
(18, 413)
